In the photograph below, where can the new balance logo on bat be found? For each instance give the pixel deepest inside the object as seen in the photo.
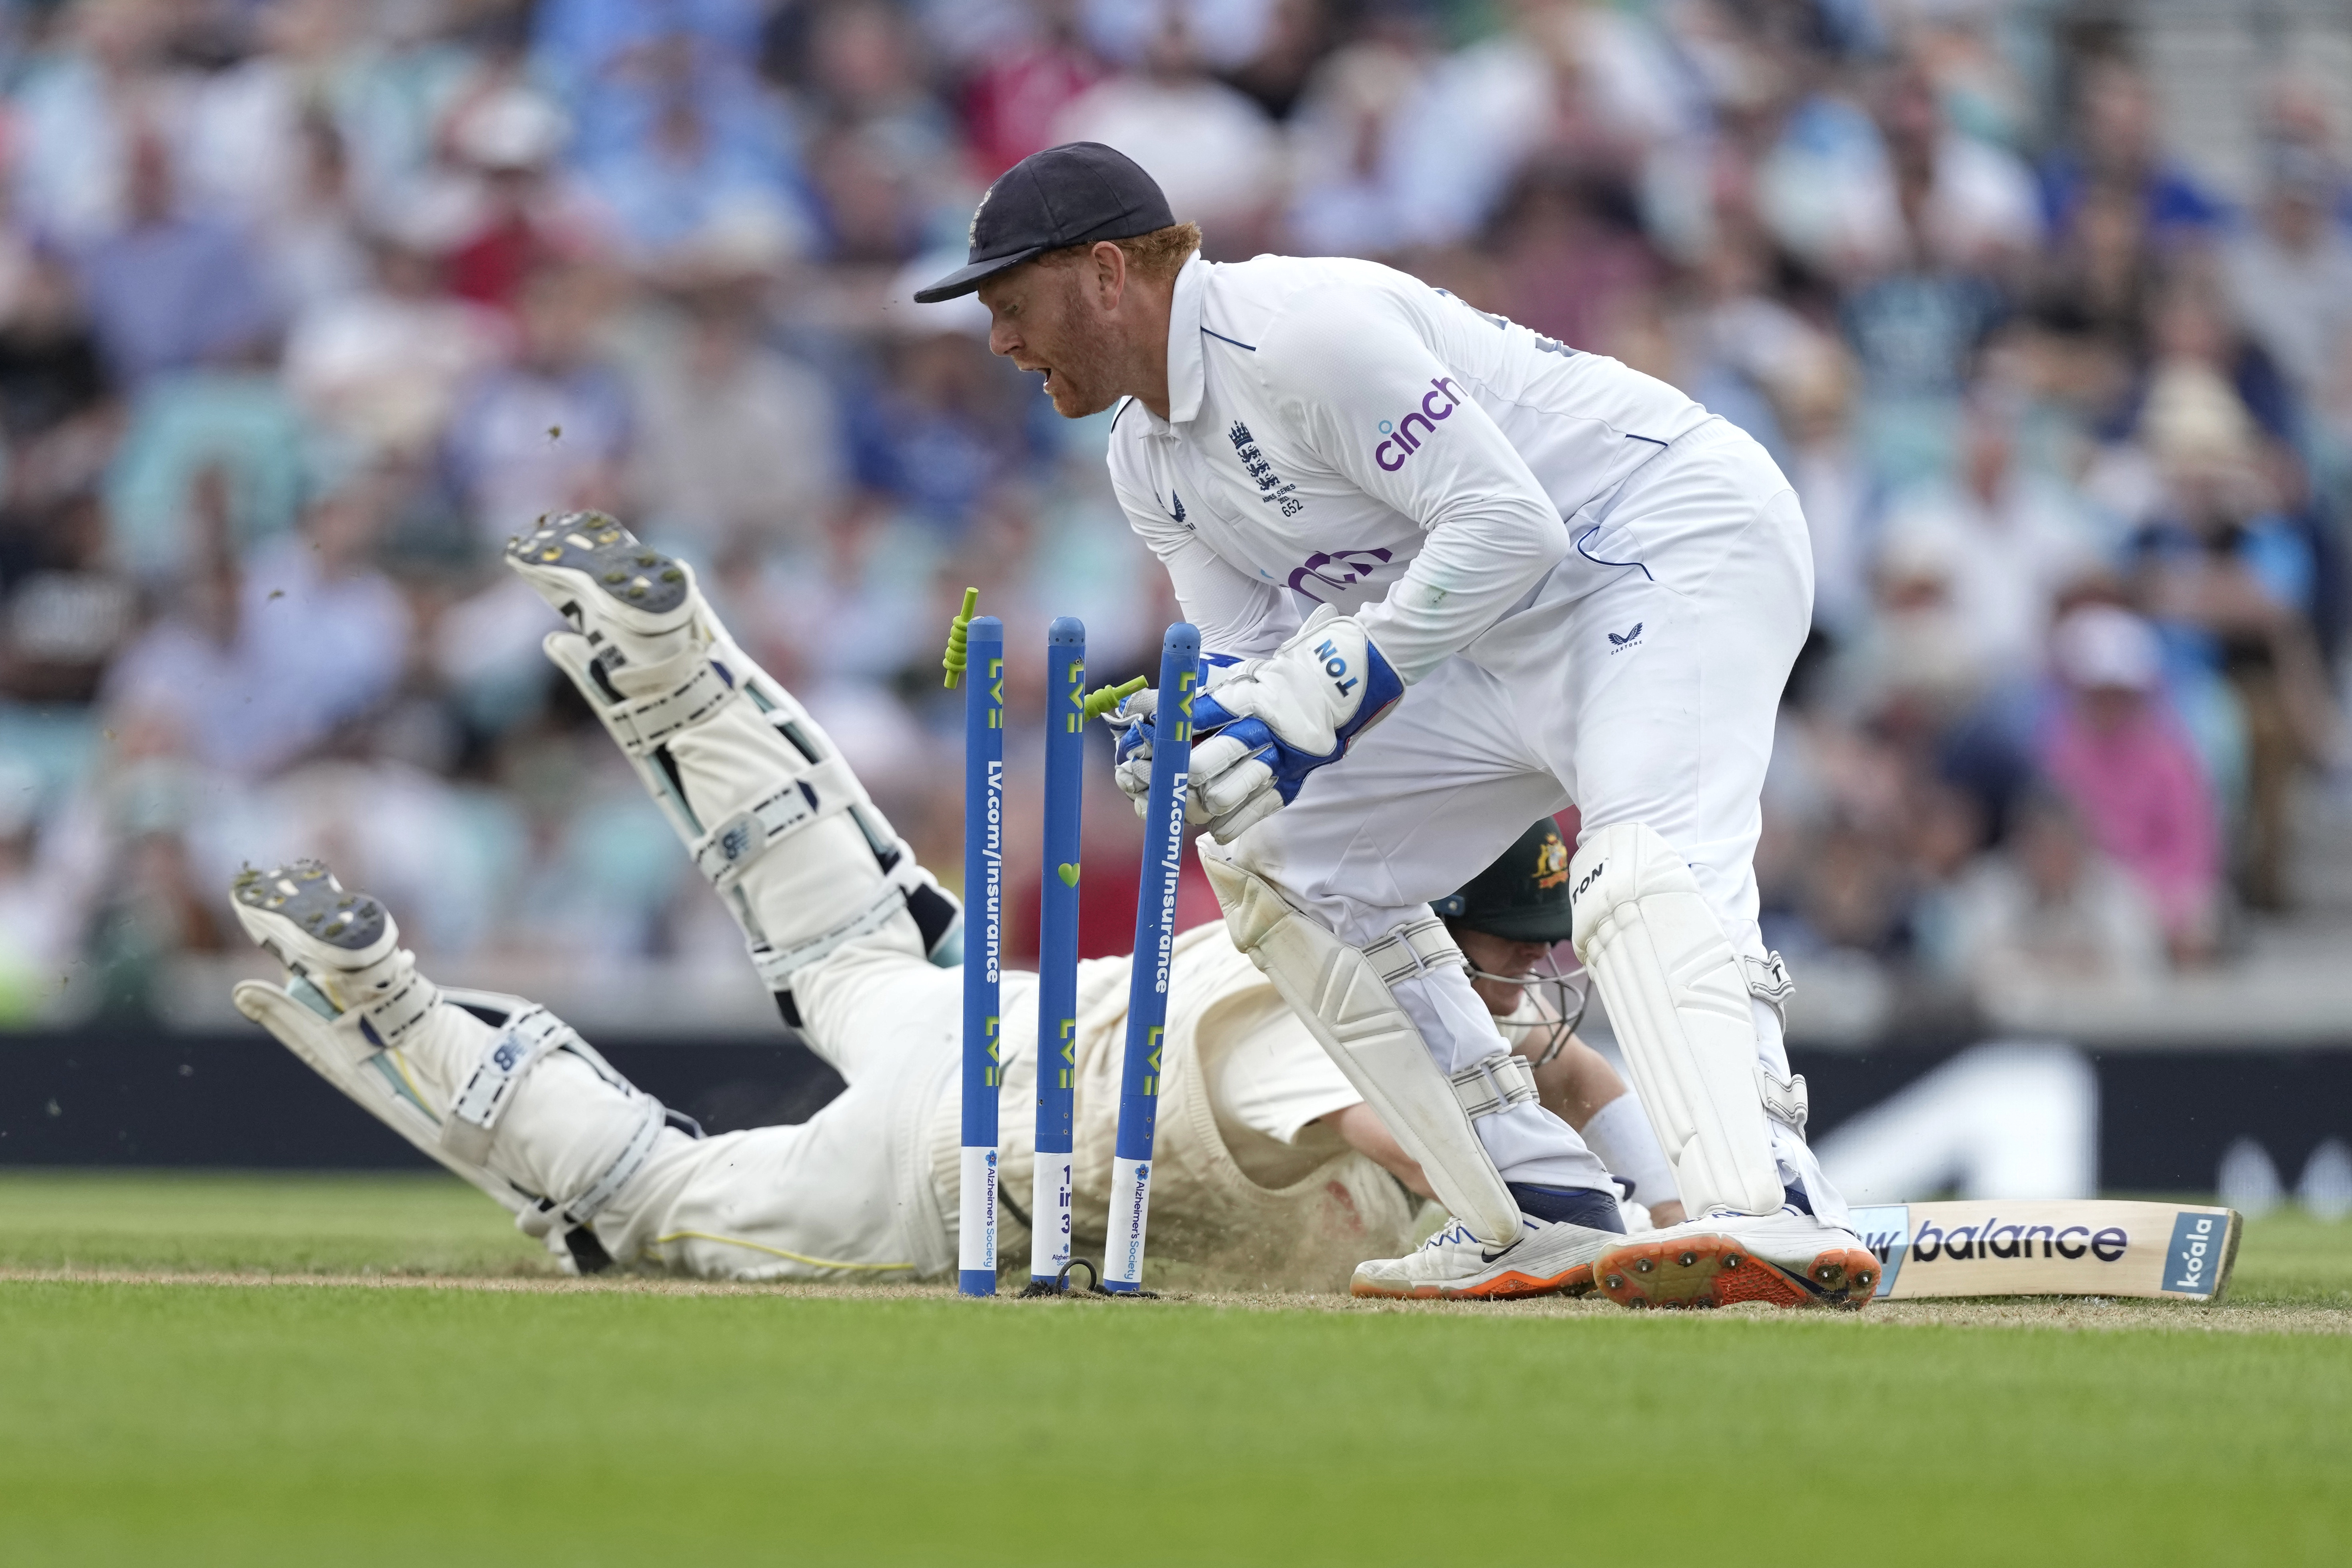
(1995, 1238)
(2071, 1246)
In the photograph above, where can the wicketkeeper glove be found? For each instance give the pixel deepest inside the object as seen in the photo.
(1270, 721)
(1133, 719)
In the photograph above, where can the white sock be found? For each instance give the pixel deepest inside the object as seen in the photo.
(1620, 1133)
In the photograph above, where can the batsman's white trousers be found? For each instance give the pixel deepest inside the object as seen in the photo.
(866, 1188)
(846, 1195)
(1639, 682)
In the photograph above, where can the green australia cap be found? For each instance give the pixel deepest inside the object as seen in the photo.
(1523, 896)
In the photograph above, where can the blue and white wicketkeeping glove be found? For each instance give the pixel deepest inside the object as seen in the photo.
(1131, 753)
(1268, 723)
(1133, 719)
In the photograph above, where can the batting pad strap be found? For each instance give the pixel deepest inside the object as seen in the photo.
(729, 849)
(386, 1024)
(625, 1164)
(1785, 1100)
(777, 964)
(1768, 983)
(513, 1051)
(734, 844)
(643, 725)
(1417, 947)
(1494, 1084)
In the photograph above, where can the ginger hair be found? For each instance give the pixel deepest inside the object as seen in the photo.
(1159, 254)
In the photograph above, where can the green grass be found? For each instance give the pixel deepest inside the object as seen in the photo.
(291, 1224)
(2292, 1260)
(158, 1422)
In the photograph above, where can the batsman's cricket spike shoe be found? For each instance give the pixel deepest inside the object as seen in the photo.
(342, 952)
(1548, 1259)
(1785, 1260)
(315, 928)
(612, 587)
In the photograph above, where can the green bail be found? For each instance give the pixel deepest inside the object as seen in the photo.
(959, 632)
(1104, 698)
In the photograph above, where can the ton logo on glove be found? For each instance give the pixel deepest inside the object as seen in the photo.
(1336, 665)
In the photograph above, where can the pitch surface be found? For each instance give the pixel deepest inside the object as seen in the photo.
(207, 1370)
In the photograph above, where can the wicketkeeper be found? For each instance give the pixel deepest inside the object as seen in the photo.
(1546, 578)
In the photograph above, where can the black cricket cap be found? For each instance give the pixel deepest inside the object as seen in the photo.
(1075, 193)
(1523, 896)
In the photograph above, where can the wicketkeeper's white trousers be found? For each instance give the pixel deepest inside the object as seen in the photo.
(1639, 683)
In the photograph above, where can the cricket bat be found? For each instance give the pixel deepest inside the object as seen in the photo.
(2073, 1246)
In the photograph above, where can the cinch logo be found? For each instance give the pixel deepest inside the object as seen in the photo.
(1401, 439)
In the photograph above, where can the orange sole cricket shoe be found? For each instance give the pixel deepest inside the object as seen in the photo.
(1716, 1270)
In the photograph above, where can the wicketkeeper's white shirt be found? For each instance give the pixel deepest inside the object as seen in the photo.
(1341, 433)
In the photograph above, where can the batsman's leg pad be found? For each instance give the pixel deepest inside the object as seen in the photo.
(379, 1081)
(769, 808)
(1679, 995)
(525, 1110)
(1341, 994)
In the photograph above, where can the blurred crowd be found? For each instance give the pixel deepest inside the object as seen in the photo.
(307, 305)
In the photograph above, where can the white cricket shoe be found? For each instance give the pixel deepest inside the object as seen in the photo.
(635, 609)
(344, 945)
(624, 595)
(1548, 1259)
(1788, 1259)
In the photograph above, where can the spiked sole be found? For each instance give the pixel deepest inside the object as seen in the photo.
(586, 551)
(1720, 1270)
(289, 906)
(1511, 1285)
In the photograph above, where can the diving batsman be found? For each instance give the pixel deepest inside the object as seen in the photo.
(1456, 576)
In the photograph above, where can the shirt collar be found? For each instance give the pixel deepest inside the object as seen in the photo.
(1185, 374)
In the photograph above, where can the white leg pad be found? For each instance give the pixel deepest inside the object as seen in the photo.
(526, 1111)
(373, 1079)
(770, 811)
(1341, 994)
(1677, 995)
